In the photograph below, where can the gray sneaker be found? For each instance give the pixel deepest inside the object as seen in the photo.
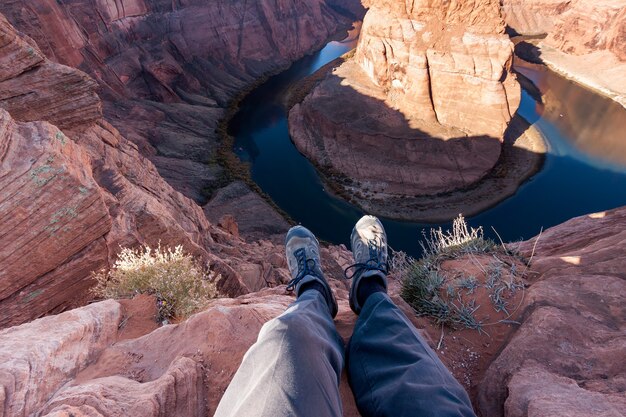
(303, 258)
(369, 248)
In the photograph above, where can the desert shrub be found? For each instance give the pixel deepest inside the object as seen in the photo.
(180, 285)
(462, 239)
(427, 291)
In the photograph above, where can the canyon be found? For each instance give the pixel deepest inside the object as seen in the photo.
(165, 77)
(95, 188)
(110, 137)
(420, 110)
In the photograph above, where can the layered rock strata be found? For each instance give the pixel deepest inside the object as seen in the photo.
(582, 40)
(166, 70)
(73, 193)
(421, 108)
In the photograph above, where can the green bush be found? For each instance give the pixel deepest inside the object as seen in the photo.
(179, 284)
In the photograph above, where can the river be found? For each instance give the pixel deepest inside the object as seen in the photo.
(584, 170)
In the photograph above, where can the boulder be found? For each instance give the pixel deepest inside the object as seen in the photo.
(566, 358)
(38, 358)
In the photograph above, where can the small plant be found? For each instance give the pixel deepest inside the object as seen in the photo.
(179, 284)
(460, 235)
(494, 275)
(469, 284)
(440, 245)
(465, 315)
(426, 289)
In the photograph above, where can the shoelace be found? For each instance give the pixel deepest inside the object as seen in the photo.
(370, 265)
(373, 247)
(303, 268)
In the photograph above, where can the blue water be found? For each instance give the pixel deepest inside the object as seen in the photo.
(570, 184)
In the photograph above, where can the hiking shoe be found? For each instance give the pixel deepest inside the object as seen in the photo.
(303, 258)
(369, 248)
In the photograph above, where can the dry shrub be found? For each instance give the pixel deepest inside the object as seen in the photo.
(179, 284)
(423, 282)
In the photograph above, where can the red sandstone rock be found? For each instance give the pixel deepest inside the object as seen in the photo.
(194, 55)
(584, 40)
(567, 357)
(256, 219)
(444, 61)
(573, 27)
(421, 108)
(38, 358)
(51, 211)
(71, 197)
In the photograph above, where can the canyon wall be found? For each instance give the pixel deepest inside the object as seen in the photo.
(583, 40)
(566, 357)
(447, 61)
(167, 69)
(74, 190)
(573, 27)
(422, 106)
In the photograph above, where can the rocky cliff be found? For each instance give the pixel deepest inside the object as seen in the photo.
(443, 61)
(75, 189)
(421, 108)
(167, 69)
(583, 40)
(563, 357)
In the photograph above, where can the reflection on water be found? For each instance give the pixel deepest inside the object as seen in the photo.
(593, 124)
(582, 173)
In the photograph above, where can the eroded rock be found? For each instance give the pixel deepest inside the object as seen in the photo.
(421, 108)
(566, 358)
(38, 358)
(256, 219)
(583, 40)
(72, 196)
(168, 69)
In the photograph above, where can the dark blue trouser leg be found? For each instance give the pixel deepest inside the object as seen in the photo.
(392, 370)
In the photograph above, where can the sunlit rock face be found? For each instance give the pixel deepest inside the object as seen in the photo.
(582, 40)
(574, 27)
(566, 357)
(421, 108)
(445, 61)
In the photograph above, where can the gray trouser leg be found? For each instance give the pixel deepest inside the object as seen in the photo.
(294, 367)
(393, 372)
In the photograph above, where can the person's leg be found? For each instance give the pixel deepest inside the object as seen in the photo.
(392, 370)
(294, 367)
